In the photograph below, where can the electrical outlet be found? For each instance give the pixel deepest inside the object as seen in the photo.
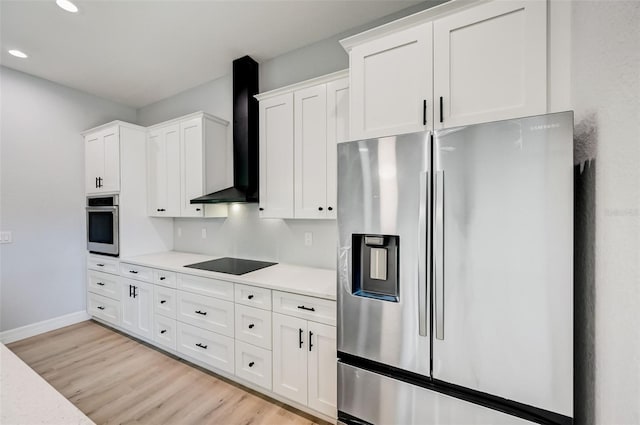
(308, 239)
(179, 232)
(6, 237)
(204, 233)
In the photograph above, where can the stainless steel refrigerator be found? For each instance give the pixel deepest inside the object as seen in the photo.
(455, 275)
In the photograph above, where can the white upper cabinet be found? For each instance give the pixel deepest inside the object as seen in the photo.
(276, 157)
(163, 168)
(490, 62)
(102, 160)
(451, 65)
(186, 158)
(391, 79)
(300, 126)
(337, 132)
(310, 147)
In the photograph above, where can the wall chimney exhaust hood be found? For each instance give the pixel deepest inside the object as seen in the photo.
(245, 138)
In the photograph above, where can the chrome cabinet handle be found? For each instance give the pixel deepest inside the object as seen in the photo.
(439, 255)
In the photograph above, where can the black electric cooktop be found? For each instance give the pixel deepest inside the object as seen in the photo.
(231, 265)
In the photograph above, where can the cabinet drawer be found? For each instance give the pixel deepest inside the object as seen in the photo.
(253, 296)
(164, 301)
(104, 284)
(209, 287)
(253, 326)
(132, 271)
(253, 364)
(208, 347)
(164, 332)
(310, 308)
(208, 313)
(164, 278)
(103, 264)
(104, 308)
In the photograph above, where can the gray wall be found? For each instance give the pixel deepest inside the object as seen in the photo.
(42, 273)
(605, 78)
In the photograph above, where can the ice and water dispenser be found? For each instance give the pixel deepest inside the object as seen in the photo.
(375, 266)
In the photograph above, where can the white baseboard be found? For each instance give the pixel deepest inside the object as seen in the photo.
(33, 329)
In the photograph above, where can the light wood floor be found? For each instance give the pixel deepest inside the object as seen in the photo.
(116, 380)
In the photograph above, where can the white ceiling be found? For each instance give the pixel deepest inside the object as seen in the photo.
(138, 52)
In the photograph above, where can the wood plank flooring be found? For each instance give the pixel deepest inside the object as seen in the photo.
(116, 380)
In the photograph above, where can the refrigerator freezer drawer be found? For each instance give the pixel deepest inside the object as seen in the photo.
(377, 399)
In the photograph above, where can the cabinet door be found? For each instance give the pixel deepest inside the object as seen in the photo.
(129, 307)
(490, 62)
(163, 171)
(94, 161)
(290, 357)
(111, 175)
(337, 132)
(391, 78)
(144, 309)
(192, 164)
(322, 368)
(310, 148)
(276, 157)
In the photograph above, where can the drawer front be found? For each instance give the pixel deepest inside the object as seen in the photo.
(103, 264)
(310, 308)
(104, 308)
(104, 284)
(132, 271)
(253, 364)
(208, 313)
(164, 301)
(208, 347)
(253, 326)
(164, 332)
(164, 278)
(253, 296)
(209, 287)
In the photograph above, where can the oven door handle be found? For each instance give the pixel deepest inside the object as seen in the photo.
(102, 209)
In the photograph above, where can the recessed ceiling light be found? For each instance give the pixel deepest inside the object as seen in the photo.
(18, 54)
(67, 5)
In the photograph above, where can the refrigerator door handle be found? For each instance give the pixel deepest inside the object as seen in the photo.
(422, 252)
(438, 249)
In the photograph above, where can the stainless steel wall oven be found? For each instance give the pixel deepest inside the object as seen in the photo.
(102, 225)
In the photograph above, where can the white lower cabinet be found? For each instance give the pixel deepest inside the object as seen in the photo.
(208, 347)
(209, 313)
(104, 308)
(322, 368)
(253, 364)
(105, 284)
(137, 307)
(164, 331)
(164, 301)
(290, 357)
(253, 326)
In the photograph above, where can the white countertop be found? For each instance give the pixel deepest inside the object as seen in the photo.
(26, 398)
(310, 281)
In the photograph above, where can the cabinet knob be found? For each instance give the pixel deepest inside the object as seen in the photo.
(163, 331)
(198, 209)
(251, 326)
(330, 208)
(260, 209)
(251, 364)
(250, 297)
(162, 278)
(319, 208)
(163, 301)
